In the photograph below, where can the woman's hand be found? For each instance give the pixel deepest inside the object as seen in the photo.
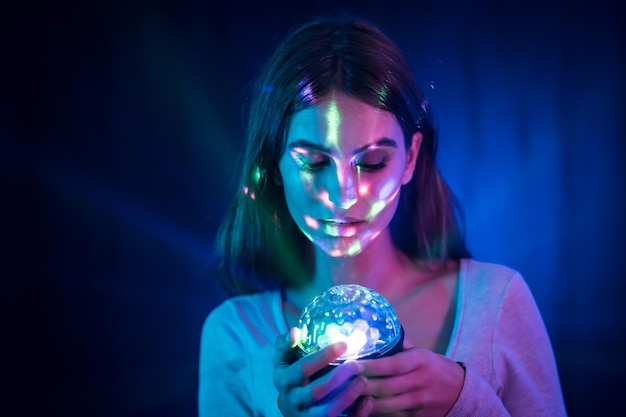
(328, 395)
(413, 382)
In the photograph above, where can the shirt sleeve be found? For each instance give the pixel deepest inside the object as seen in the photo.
(527, 382)
(224, 367)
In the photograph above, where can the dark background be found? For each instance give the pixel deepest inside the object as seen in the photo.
(121, 125)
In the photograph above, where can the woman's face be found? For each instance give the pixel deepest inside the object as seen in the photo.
(342, 170)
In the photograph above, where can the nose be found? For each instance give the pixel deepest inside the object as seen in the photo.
(343, 193)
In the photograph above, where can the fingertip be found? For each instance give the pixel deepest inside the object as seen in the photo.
(340, 347)
(293, 337)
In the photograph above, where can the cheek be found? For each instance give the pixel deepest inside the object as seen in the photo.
(299, 188)
(308, 189)
(379, 188)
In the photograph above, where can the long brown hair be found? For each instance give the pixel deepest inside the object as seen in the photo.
(258, 246)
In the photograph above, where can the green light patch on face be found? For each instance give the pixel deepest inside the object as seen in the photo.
(333, 121)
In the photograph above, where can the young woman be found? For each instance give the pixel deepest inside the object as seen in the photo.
(339, 185)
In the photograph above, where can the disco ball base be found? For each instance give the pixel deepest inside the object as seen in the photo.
(397, 347)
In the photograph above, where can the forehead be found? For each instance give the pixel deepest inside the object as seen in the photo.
(343, 122)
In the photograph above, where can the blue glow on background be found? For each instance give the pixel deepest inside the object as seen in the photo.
(121, 126)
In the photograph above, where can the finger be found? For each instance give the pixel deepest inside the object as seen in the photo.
(392, 385)
(398, 364)
(300, 371)
(284, 344)
(293, 337)
(319, 360)
(326, 387)
(364, 407)
(336, 390)
(347, 397)
(396, 405)
(284, 356)
(335, 379)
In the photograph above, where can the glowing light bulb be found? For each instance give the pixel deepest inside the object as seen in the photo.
(354, 314)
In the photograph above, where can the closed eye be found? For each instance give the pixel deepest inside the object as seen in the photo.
(309, 161)
(373, 160)
(311, 166)
(372, 167)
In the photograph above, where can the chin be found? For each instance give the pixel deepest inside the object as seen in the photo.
(337, 253)
(346, 248)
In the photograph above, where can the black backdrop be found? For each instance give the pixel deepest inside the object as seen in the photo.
(121, 125)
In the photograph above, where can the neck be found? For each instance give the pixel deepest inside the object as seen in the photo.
(370, 268)
(381, 267)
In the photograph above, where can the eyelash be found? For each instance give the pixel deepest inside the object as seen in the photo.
(374, 167)
(317, 166)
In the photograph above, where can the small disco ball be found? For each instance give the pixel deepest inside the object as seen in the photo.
(354, 314)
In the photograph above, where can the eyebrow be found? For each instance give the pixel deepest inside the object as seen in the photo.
(303, 143)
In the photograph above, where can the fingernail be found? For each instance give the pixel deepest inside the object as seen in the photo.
(340, 347)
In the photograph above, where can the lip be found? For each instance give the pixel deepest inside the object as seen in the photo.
(341, 220)
(345, 227)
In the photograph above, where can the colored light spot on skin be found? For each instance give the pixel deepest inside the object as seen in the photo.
(306, 177)
(388, 189)
(355, 248)
(311, 222)
(364, 190)
(335, 253)
(324, 197)
(377, 207)
(333, 121)
(333, 125)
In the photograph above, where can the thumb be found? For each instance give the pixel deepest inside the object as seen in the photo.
(293, 337)
(283, 350)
